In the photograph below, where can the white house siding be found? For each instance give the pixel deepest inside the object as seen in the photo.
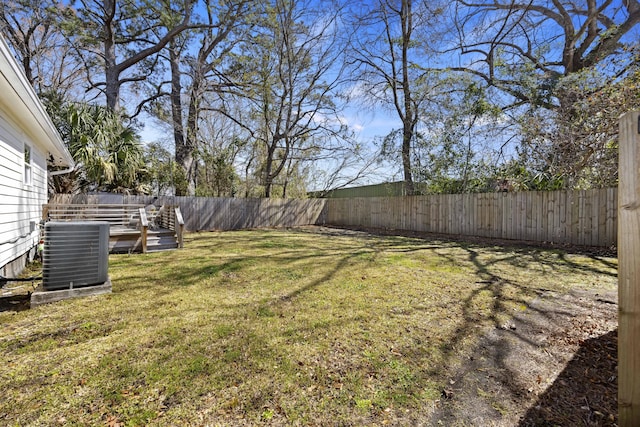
(20, 204)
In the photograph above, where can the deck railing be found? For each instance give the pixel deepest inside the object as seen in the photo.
(127, 216)
(168, 217)
(144, 228)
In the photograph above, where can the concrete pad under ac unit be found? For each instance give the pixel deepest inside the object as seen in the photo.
(40, 296)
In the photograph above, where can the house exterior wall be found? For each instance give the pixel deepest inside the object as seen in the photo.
(23, 120)
(21, 199)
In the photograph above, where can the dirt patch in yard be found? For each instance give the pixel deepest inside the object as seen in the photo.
(555, 364)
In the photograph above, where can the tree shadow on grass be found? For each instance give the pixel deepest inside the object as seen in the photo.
(600, 256)
(15, 303)
(585, 392)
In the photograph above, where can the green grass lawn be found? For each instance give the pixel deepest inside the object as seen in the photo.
(274, 327)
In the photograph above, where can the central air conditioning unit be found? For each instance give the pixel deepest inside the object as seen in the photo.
(75, 254)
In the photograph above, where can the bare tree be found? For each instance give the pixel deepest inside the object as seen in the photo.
(30, 27)
(181, 100)
(392, 65)
(220, 144)
(206, 76)
(293, 69)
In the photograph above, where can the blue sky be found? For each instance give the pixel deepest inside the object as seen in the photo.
(369, 124)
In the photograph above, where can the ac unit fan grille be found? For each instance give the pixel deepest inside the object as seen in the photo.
(75, 254)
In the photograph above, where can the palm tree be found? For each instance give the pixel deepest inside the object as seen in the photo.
(107, 149)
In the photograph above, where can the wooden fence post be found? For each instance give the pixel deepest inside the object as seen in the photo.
(629, 271)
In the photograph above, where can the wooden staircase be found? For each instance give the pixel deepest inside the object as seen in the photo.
(161, 240)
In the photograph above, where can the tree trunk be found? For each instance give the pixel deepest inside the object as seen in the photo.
(272, 171)
(407, 135)
(185, 155)
(111, 70)
(185, 152)
(176, 111)
(288, 174)
(408, 122)
(247, 168)
(268, 179)
(26, 65)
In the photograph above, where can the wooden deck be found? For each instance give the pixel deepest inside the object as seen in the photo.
(132, 228)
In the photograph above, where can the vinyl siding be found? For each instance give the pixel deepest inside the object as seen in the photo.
(20, 204)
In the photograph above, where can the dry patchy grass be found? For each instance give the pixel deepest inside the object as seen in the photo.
(297, 327)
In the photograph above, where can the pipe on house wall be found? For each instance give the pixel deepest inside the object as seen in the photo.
(61, 172)
(67, 170)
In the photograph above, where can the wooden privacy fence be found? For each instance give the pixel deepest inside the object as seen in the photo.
(214, 213)
(586, 218)
(234, 214)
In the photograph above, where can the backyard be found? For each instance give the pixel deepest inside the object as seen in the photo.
(321, 326)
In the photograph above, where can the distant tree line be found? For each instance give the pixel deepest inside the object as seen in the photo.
(255, 96)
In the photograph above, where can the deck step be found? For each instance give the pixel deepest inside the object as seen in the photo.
(158, 248)
(154, 241)
(124, 240)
